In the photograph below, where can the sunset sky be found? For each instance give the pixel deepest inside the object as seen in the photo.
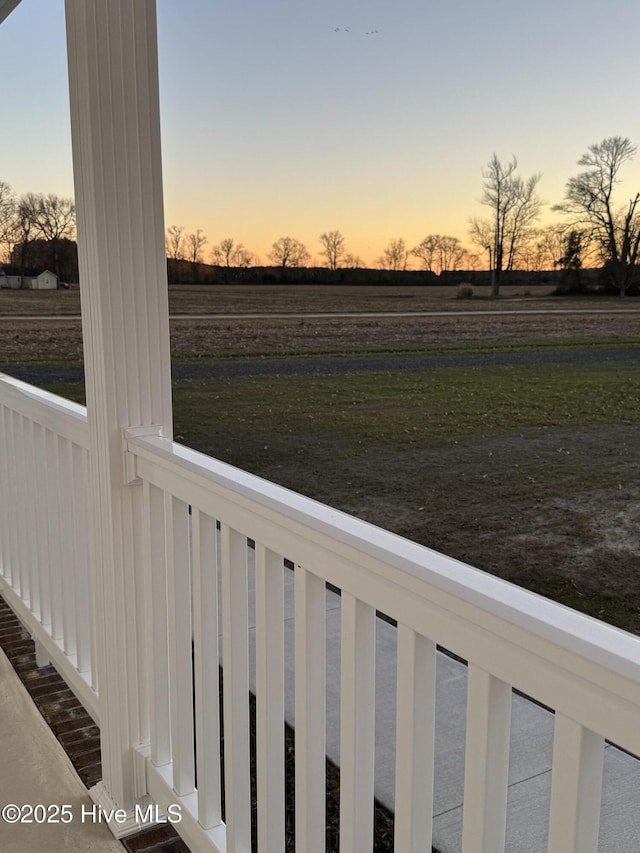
(283, 117)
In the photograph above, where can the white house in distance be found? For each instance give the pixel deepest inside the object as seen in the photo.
(11, 278)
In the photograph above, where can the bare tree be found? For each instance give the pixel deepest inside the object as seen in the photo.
(245, 258)
(25, 230)
(515, 206)
(426, 251)
(353, 262)
(440, 253)
(51, 216)
(8, 207)
(473, 262)
(544, 247)
(54, 216)
(174, 243)
(571, 261)
(481, 233)
(395, 255)
(289, 252)
(195, 244)
(333, 248)
(38, 230)
(228, 253)
(452, 255)
(36, 216)
(223, 252)
(591, 206)
(59, 217)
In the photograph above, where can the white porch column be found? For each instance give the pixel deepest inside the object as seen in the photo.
(113, 80)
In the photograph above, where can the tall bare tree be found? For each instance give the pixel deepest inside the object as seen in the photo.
(289, 252)
(395, 255)
(196, 242)
(515, 206)
(591, 206)
(174, 243)
(333, 248)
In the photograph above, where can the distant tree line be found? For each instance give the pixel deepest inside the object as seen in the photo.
(596, 229)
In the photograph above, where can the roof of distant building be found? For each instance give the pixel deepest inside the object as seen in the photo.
(27, 273)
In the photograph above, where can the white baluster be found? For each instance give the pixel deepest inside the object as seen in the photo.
(206, 668)
(180, 651)
(576, 788)
(415, 722)
(235, 665)
(310, 730)
(270, 699)
(357, 724)
(156, 571)
(486, 763)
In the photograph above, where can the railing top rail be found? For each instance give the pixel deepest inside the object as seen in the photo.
(405, 561)
(62, 416)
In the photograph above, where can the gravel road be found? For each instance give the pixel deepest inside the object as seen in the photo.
(48, 375)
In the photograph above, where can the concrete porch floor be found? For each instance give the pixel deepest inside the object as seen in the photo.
(35, 769)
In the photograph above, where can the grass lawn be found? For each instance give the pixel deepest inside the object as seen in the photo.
(526, 472)
(402, 407)
(408, 407)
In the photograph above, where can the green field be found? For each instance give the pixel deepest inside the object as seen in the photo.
(410, 406)
(406, 407)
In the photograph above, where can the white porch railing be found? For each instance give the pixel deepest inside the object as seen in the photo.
(44, 566)
(197, 516)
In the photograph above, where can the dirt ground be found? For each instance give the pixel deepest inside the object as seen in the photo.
(33, 340)
(229, 299)
(23, 342)
(555, 510)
